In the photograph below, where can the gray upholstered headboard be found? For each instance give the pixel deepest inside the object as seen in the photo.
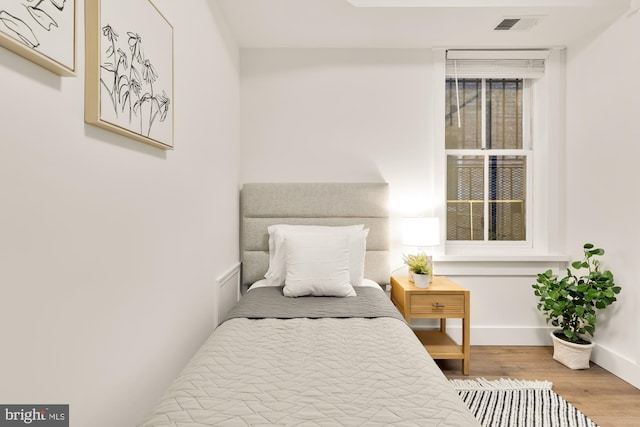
(265, 204)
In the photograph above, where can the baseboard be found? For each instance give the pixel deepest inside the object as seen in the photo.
(510, 336)
(617, 364)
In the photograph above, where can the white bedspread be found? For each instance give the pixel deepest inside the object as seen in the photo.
(311, 372)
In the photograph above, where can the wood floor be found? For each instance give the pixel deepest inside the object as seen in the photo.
(603, 397)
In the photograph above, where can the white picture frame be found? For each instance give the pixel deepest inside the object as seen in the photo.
(42, 31)
(129, 70)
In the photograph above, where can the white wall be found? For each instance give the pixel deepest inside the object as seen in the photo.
(109, 248)
(602, 152)
(339, 115)
(367, 115)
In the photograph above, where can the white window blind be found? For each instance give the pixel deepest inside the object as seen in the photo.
(494, 64)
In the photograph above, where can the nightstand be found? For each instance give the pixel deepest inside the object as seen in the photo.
(443, 300)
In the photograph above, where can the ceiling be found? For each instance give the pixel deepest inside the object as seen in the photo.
(437, 23)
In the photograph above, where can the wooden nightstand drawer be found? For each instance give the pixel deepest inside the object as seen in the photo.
(444, 305)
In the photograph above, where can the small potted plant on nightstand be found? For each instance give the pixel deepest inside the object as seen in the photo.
(571, 303)
(419, 269)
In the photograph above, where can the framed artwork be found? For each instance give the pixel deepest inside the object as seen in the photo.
(129, 70)
(42, 31)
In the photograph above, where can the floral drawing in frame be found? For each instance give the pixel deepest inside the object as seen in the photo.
(129, 70)
(42, 31)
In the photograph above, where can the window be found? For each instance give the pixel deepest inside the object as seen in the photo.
(488, 149)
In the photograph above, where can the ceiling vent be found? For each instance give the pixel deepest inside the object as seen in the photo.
(507, 24)
(517, 23)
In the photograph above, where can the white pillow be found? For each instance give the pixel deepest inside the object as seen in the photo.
(317, 264)
(273, 229)
(357, 251)
(277, 261)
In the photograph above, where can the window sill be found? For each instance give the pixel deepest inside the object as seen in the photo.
(497, 265)
(501, 258)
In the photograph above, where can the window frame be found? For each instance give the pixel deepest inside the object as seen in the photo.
(547, 224)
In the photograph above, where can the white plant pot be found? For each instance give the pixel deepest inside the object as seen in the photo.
(421, 280)
(574, 356)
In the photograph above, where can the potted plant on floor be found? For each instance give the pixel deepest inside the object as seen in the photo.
(571, 303)
(419, 269)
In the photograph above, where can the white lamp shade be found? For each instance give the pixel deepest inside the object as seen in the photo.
(421, 232)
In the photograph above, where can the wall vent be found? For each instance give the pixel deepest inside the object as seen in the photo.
(517, 23)
(506, 24)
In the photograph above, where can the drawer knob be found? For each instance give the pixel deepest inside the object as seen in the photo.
(437, 305)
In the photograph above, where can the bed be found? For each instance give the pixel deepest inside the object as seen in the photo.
(289, 358)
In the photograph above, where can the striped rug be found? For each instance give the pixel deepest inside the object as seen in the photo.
(514, 403)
